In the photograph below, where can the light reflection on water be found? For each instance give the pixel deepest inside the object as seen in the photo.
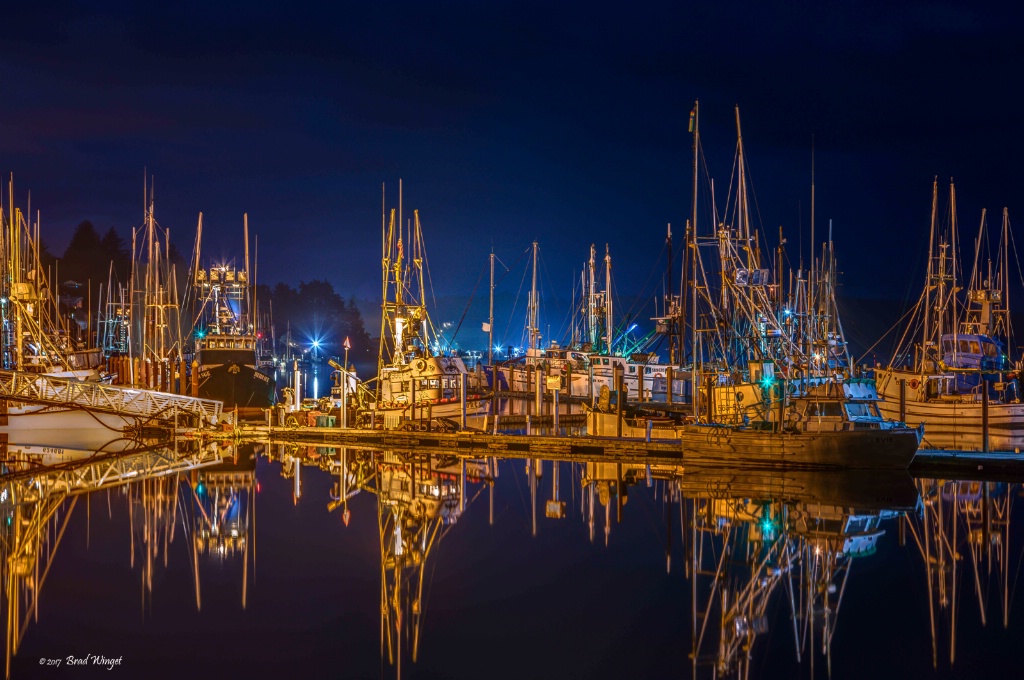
(394, 564)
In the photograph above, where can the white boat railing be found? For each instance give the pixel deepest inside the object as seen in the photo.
(48, 389)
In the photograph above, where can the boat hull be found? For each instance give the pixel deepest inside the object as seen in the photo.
(954, 423)
(891, 448)
(395, 415)
(238, 385)
(61, 427)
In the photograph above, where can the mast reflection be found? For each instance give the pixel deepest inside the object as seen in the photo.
(223, 512)
(754, 537)
(419, 497)
(33, 496)
(753, 552)
(963, 520)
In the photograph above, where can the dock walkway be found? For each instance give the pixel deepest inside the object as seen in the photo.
(926, 463)
(125, 401)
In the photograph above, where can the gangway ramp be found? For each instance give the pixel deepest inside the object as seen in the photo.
(124, 401)
(104, 471)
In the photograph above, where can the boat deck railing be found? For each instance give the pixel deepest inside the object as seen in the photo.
(69, 392)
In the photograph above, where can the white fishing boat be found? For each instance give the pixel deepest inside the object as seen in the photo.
(538, 362)
(417, 379)
(47, 397)
(955, 377)
(594, 357)
(32, 343)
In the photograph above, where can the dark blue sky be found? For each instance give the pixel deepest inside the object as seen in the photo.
(509, 122)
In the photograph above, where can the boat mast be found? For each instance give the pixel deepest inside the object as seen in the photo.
(669, 299)
(928, 281)
(954, 258)
(1004, 275)
(533, 330)
(592, 298)
(490, 317)
(689, 250)
(811, 298)
(608, 328)
(387, 239)
(246, 322)
(417, 245)
(149, 326)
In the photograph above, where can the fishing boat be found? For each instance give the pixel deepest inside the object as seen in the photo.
(417, 379)
(528, 372)
(596, 353)
(35, 350)
(610, 356)
(773, 384)
(33, 338)
(226, 337)
(955, 377)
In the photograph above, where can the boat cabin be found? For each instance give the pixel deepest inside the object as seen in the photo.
(816, 414)
(223, 349)
(974, 350)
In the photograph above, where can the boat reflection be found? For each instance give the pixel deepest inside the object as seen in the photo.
(963, 520)
(752, 553)
(223, 512)
(37, 502)
(419, 498)
(753, 536)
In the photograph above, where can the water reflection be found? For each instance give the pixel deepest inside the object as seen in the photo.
(754, 536)
(762, 560)
(964, 527)
(37, 501)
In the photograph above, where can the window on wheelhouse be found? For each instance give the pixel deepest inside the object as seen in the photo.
(824, 408)
(861, 409)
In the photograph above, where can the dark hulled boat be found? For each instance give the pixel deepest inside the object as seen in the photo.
(228, 372)
(226, 336)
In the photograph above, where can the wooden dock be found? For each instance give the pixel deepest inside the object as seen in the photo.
(968, 465)
(927, 463)
(468, 443)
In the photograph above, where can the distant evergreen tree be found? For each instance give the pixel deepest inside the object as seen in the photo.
(116, 250)
(85, 258)
(315, 311)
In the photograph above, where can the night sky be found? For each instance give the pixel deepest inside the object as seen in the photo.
(510, 122)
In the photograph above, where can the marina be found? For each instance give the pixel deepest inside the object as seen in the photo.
(511, 341)
(764, 460)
